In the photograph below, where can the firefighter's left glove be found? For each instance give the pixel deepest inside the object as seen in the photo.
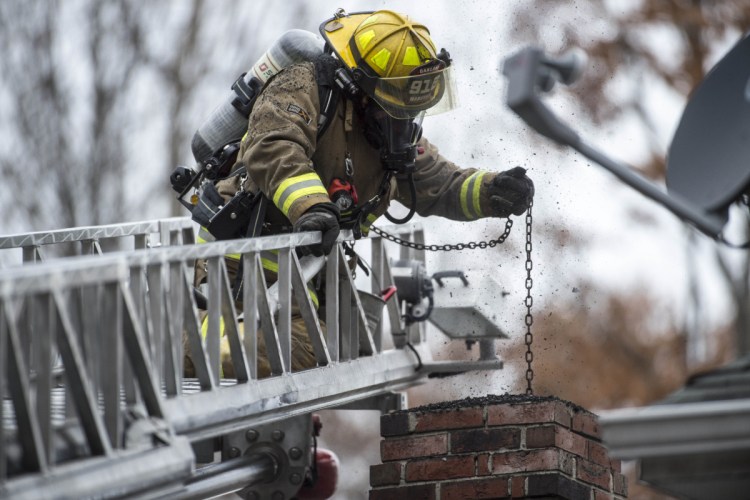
(511, 192)
(322, 217)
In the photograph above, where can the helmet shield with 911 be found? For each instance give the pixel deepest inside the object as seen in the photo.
(393, 60)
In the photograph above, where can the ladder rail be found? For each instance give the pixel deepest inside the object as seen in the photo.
(146, 308)
(36, 246)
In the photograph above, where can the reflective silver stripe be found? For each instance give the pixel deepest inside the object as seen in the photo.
(296, 187)
(470, 195)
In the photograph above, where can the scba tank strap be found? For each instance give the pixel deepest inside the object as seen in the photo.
(245, 94)
(328, 92)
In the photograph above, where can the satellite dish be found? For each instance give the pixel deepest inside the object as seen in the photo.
(709, 159)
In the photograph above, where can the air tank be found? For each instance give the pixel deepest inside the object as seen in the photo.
(228, 123)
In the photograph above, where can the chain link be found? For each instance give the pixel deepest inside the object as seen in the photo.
(447, 247)
(529, 338)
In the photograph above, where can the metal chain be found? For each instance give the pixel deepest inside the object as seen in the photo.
(447, 247)
(529, 302)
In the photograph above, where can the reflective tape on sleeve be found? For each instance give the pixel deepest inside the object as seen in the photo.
(294, 188)
(470, 200)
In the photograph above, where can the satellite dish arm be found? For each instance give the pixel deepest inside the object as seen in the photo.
(530, 73)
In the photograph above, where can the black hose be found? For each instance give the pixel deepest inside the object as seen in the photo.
(412, 208)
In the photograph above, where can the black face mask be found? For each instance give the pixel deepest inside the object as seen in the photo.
(396, 139)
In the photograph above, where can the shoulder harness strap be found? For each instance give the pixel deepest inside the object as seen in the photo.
(328, 92)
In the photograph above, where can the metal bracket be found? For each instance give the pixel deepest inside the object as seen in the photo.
(289, 442)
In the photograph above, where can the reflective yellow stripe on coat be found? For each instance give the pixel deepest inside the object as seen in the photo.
(294, 188)
(470, 201)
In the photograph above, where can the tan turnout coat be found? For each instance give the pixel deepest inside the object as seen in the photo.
(287, 162)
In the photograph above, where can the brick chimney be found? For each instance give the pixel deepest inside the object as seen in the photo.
(494, 447)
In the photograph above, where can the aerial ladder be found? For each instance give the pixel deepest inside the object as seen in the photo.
(94, 399)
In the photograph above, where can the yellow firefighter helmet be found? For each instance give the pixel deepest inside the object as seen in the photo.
(393, 59)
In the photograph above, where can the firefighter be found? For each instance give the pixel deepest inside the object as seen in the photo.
(385, 73)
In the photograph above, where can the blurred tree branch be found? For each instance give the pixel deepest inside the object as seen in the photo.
(82, 80)
(66, 153)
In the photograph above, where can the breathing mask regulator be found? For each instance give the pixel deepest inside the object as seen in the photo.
(394, 75)
(395, 138)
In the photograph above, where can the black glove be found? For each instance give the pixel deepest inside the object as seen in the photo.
(511, 192)
(321, 217)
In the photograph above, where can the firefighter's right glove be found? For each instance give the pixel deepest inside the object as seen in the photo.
(322, 217)
(511, 192)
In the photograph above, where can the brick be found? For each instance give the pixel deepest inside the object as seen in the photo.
(558, 486)
(547, 459)
(619, 484)
(548, 436)
(485, 440)
(528, 413)
(394, 424)
(483, 464)
(587, 424)
(572, 442)
(602, 495)
(540, 437)
(615, 465)
(412, 492)
(566, 462)
(518, 487)
(451, 419)
(440, 468)
(592, 473)
(598, 454)
(475, 488)
(385, 474)
(413, 446)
